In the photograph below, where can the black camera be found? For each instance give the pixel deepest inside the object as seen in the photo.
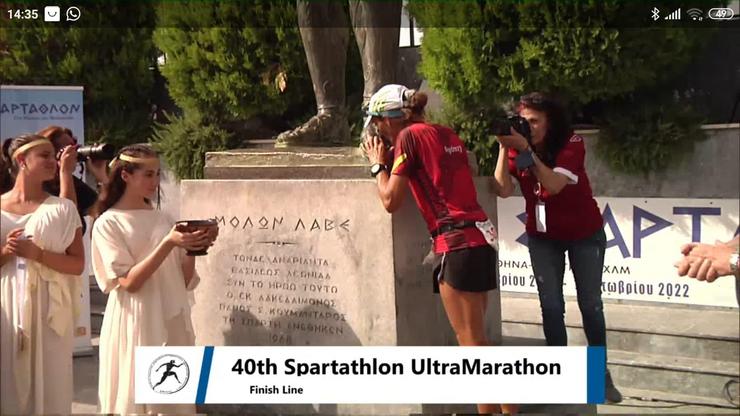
(97, 151)
(502, 127)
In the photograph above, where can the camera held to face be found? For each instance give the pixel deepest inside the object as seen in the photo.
(524, 160)
(96, 151)
(502, 127)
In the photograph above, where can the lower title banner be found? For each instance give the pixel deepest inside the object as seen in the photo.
(370, 375)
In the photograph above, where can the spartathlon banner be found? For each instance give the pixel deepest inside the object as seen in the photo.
(391, 375)
(30, 108)
(644, 239)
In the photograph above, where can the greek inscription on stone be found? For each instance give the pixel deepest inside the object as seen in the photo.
(264, 223)
(285, 295)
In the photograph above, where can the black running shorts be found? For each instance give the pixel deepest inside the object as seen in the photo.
(468, 269)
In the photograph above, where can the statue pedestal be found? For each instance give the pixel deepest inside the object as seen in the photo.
(308, 256)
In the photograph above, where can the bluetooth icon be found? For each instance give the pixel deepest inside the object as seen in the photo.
(656, 13)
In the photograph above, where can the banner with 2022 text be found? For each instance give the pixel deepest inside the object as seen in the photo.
(644, 238)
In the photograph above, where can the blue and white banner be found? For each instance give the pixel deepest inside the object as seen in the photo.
(30, 108)
(644, 239)
(370, 375)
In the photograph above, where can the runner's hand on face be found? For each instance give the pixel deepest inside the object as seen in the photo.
(375, 150)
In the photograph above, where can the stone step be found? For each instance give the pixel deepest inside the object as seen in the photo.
(97, 297)
(638, 401)
(259, 143)
(675, 331)
(508, 340)
(96, 318)
(676, 375)
(98, 300)
(706, 348)
(699, 378)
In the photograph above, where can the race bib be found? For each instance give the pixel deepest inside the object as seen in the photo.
(489, 232)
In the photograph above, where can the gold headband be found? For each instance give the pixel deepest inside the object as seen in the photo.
(132, 159)
(28, 146)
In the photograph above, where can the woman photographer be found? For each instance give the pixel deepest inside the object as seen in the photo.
(562, 216)
(139, 259)
(65, 184)
(432, 161)
(42, 257)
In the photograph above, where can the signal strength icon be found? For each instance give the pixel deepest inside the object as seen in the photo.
(676, 15)
(695, 14)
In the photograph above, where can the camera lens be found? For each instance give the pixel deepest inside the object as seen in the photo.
(98, 151)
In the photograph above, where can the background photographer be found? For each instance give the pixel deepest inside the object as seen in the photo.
(65, 184)
(562, 216)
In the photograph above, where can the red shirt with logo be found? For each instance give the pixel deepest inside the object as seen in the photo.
(435, 161)
(572, 214)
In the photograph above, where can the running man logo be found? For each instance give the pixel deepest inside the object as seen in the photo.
(168, 374)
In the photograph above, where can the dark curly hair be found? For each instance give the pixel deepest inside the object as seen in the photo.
(559, 129)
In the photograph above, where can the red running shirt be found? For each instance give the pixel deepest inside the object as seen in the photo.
(435, 161)
(572, 214)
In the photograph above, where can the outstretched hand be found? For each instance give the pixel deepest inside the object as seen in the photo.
(705, 261)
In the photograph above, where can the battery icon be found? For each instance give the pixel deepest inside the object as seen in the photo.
(721, 13)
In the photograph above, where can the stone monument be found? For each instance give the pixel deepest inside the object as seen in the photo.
(308, 256)
(325, 35)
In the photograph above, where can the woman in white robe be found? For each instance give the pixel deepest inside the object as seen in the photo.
(42, 259)
(139, 260)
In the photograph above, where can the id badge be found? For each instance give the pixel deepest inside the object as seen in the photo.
(540, 217)
(489, 232)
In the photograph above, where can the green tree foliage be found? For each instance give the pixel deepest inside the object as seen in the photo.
(234, 60)
(481, 55)
(231, 62)
(111, 56)
(647, 132)
(227, 62)
(184, 141)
